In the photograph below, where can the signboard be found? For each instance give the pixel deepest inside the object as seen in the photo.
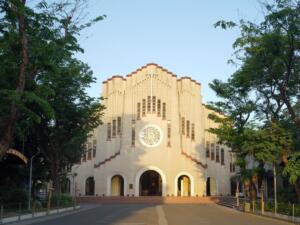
(18, 154)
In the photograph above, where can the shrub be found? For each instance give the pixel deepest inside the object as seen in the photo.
(61, 200)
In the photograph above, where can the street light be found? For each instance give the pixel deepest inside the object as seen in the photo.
(30, 179)
(275, 188)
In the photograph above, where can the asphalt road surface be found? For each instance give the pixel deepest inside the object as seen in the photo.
(138, 214)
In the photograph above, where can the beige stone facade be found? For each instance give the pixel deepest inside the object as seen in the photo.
(153, 141)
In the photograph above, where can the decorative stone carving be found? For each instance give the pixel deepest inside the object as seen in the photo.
(151, 135)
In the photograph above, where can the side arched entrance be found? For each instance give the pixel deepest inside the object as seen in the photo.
(183, 186)
(211, 186)
(90, 186)
(117, 185)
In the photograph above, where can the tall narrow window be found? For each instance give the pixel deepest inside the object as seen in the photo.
(108, 131)
(133, 133)
(207, 149)
(149, 104)
(217, 153)
(144, 107)
(153, 104)
(212, 151)
(94, 147)
(222, 157)
(114, 128)
(193, 132)
(182, 125)
(138, 116)
(188, 128)
(169, 133)
(158, 107)
(119, 125)
(89, 155)
(164, 111)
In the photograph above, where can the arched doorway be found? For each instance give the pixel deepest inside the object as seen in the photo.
(90, 186)
(150, 184)
(117, 185)
(211, 186)
(184, 186)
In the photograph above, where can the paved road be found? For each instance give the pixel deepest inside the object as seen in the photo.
(131, 214)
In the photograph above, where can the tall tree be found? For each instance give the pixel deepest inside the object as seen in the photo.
(270, 69)
(54, 114)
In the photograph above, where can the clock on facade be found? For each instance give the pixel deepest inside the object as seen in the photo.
(151, 135)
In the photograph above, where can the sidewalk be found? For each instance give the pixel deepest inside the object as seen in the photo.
(42, 216)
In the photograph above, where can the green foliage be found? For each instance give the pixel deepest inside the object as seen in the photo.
(13, 196)
(292, 170)
(260, 100)
(55, 114)
(61, 200)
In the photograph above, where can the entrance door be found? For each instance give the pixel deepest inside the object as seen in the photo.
(150, 184)
(184, 186)
(117, 185)
(90, 186)
(211, 186)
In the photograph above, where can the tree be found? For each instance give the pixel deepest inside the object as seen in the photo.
(53, 112)
(268, 54)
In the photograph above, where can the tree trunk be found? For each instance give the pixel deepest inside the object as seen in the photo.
(9, 129)
(54, 173)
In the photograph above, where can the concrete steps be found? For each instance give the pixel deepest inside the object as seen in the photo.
(147, 200)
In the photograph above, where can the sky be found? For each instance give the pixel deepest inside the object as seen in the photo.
(176, 34)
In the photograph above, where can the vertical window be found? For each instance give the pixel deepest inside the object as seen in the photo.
(158, 107)
(217, 153)
(138, 116)
(119, 125)
(193, 132)
(108, 131)
(169, 133)
(89, 157)
(114, 128)
(222, 157)
(183, 125)
(144, 107)
(149, 104)
(207, 150)
(164, 111)
(133, 133)
(94, 147)
(188, 128)
(212, 151)
(153, 104)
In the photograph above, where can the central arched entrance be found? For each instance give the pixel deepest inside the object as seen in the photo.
(150, 184)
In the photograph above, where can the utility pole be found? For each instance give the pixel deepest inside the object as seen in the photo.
(30, 180)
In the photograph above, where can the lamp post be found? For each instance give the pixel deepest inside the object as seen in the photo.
(30, 180)
(262, 189)
(275, 188)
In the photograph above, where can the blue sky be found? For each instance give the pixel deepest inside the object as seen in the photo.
(176, 34)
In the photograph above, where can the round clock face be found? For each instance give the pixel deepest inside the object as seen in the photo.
(151, 135)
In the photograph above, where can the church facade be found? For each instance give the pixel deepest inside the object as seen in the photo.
(153, 141)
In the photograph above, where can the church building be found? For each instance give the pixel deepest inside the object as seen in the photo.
(153, 141)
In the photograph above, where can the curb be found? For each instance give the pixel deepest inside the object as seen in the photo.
(36, 215)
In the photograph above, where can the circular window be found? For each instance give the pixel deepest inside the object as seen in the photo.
(151, 135)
